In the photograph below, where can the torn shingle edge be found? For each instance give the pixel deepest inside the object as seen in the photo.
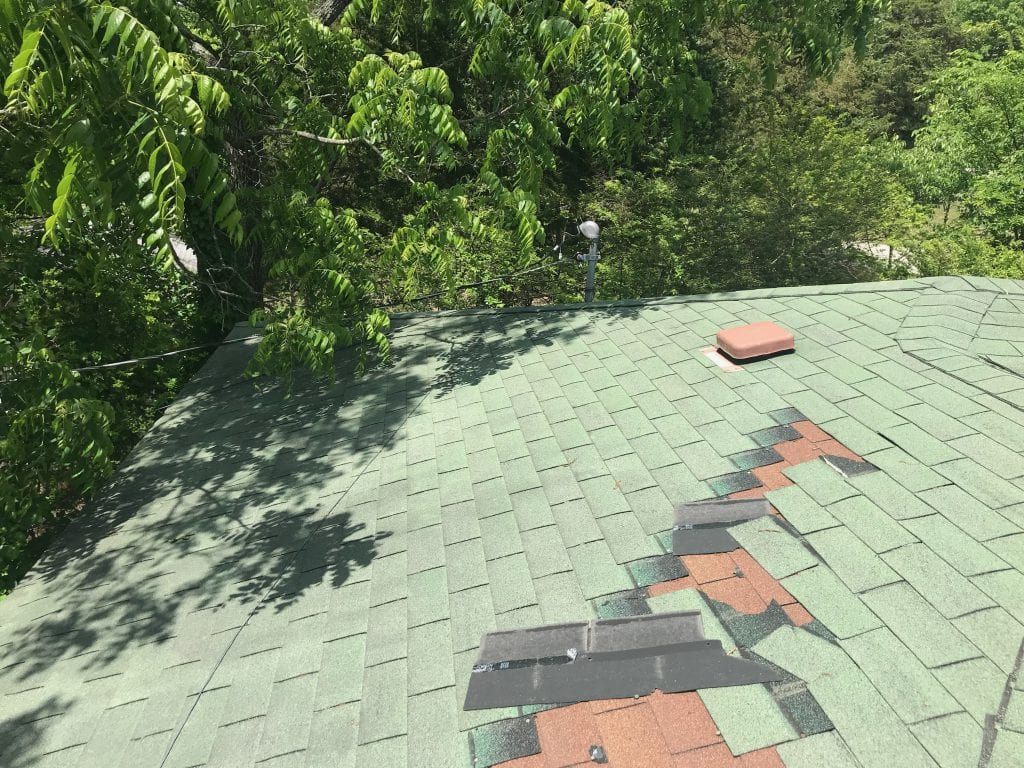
(604, 659)
(702, 527)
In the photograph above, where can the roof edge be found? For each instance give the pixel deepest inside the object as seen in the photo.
(944, 283)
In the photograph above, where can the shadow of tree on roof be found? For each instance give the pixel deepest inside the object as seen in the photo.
(244, 498)
(23, 738)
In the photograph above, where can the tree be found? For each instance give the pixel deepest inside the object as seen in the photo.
(318, 169)
(969, 153)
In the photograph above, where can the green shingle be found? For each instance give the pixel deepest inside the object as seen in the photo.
(780, 382)
(950, 593)
(938, 424)
(892, 497)
(821, 592)
(774, 548)
(953, 741)
(855, 435)
(982, 483)
(1003, 461)
(630, 474)
(704, 462)
(697, 411)
(430, 657)
(676, 430)
(851, 560)
(910, 689)
(531, 509)
(428, 597)
(545, 551)
(500, 535)
(560, 599)
(576, 522)
(653, 508)
(511, 583)
(953, 545)
(434, 737)
(866, 723)
(466, 565)
(626, 538)
(472, 617)
(801, 510)
(460, 523)
(383, 685)
(921, 628)
(965, 511)
(819, 749)
(386, 633)
(830, 387)
(867, 411)
(815, 407)
(724, 438)
(820, 482)
(693, 600)
(946, 400)
(519, 475)
(597, 571)
(1006, 588)
(977, 684)
(919, 444)
(1008, 747)
(341, 672)
(884, 393)
(747, 716)
(996, 633)
(912, 474)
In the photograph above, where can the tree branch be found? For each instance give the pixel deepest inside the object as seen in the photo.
(312, 136)
(334, 142)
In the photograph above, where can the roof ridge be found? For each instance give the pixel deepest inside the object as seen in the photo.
(984, 285)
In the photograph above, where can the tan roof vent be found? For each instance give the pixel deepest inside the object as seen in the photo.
(755, 340)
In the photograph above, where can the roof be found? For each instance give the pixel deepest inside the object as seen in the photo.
(304, 579)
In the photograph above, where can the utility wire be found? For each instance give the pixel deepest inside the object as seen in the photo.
(413, 300)
(477, 284)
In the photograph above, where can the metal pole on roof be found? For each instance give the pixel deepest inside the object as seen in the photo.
(592, 231)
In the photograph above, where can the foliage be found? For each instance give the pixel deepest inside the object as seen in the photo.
(969, 153)
(323, 169)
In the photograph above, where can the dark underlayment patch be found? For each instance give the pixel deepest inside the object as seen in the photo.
(612, 659)
(734, 483)
(790, 692)
(774, 435)
(848, 467)
(632, 602)
(504, 740)
(654, 570)
(702, 527)
(786, 416)
(758, 457)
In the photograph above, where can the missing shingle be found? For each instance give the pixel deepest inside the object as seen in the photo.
(848, 467)
(622, 658)
(503, 740)
(748, 629)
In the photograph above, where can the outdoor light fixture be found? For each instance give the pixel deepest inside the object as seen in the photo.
(591, 230)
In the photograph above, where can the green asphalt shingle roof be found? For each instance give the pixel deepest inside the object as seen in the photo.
(304, 580)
